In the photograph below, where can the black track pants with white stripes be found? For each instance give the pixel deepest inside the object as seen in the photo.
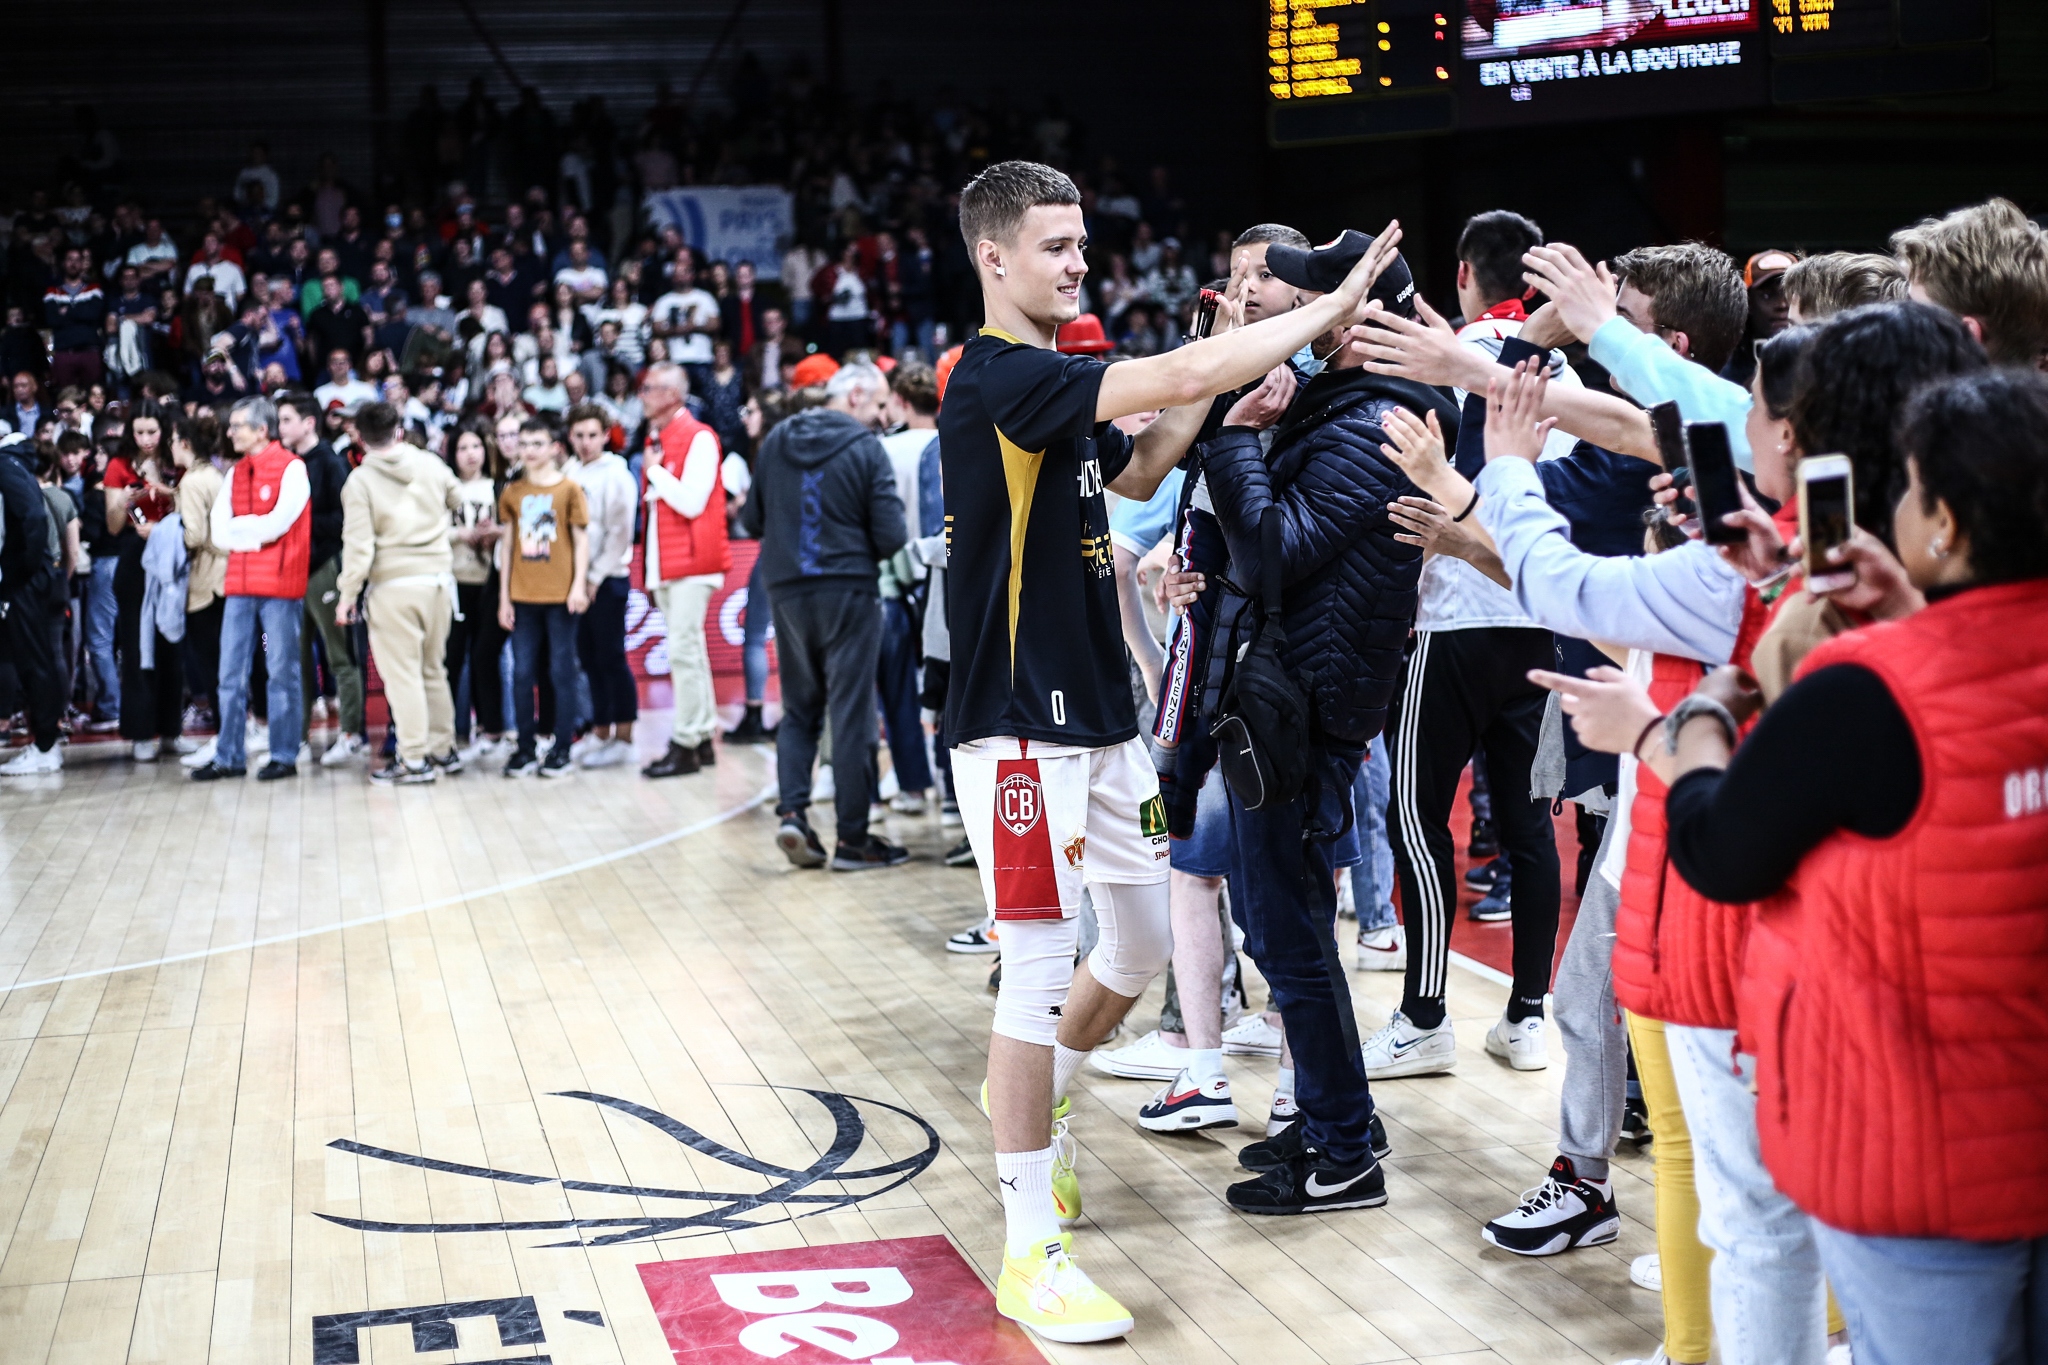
(1466, 690)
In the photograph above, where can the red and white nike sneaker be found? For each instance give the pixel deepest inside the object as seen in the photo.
(1187, 1104)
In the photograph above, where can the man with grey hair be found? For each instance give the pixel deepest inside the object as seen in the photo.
(263, 519)
(684, 560)
(825, 508)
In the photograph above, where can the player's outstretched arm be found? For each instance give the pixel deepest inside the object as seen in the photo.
(1217, 364)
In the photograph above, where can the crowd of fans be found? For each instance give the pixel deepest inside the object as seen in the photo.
(477, 416)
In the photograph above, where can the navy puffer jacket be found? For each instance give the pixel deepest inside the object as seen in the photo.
(1349, 587)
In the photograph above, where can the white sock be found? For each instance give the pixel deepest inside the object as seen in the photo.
(1065, 1062)
(1284, 1087)
(1026, 1182)
(1205, 1064)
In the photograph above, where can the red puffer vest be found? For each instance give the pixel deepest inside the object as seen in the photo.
(279, 568)
(1895, 990)
(686, 546)
(1676, 953)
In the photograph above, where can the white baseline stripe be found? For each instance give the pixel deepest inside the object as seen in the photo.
(766, 794)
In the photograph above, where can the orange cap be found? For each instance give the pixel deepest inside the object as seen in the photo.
(945, 368)
(1766, 265)
(813, 369)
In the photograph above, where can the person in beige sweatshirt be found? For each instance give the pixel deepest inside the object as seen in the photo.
(395, 540)
(199, 483)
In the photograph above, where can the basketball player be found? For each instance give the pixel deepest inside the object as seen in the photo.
(1054, 785)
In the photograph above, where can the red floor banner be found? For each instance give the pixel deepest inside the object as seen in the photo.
(899, 1301)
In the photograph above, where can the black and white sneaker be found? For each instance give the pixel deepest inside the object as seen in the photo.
(523, 763)
(1287, 1144)
(1482, 876)
(1635, 1122)
(876, 852)
(1561, 1213)
(1284, 1114)
(977, 938)
(960, 855)
(799, 842)
(1312, 1183)
(1186, 1104)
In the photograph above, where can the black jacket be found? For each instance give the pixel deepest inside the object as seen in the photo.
(326, 472)
(1349, 588)
(824, 505)
(25, 521)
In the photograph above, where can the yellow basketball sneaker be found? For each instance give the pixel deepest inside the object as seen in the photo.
(1048, 1293)
(1066, 1185)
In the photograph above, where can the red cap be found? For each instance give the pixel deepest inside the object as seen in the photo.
(1083, 336)
(813, 369)
(885, 363)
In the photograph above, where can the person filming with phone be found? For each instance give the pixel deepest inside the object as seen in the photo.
(1891, 811)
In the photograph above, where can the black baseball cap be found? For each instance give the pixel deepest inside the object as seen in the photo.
(1323, 268)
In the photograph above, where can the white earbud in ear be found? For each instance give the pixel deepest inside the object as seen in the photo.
(1001, 271)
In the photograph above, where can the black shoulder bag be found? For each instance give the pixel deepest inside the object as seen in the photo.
(1262, 723)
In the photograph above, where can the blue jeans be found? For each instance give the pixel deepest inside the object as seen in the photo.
(1286, 900)
(531, 623)
(896, 684)
(1910, 1300)
(1372, 881)
(754, 652)
(101, 613)
(277, 618)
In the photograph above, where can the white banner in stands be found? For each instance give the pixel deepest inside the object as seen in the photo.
(728, 222)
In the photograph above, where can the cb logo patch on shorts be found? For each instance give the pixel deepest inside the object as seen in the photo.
(1020, 803)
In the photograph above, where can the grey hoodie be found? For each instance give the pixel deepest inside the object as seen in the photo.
(823, 505)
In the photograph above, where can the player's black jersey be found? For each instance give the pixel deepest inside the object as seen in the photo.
(1038, 649)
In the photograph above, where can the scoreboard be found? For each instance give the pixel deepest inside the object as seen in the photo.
(1338, 70)
(1320, 48)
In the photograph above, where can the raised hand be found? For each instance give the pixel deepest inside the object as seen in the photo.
(1417, 446)
(1513, 429)
(1427, 352)
(1583, 293)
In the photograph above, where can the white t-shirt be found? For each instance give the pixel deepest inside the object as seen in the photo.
(585, 281)
(351, 393)
(687, 307)
(227, 280)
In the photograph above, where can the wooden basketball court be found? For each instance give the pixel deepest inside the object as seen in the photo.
(262, 1046)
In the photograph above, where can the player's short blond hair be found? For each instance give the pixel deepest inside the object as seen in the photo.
(1989, 262)
(1835, 281)
(993, 205)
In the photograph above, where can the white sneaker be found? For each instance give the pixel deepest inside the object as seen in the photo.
(1522, 1045)
(305, 754)
(822, 787)
(608, 753)
(200, 756)
(1383, 950)
(1840, 1354)
(1347, 908)
(949, 815)
(480, 747)
(1647, 1272)
(256, 738)
(1252, 1036)
(34, 762)
(185, 746)
(1151, 1058)
(346, 749)
(1656, 1357)
(143, 751)
(1402, 1049)
(908, 803)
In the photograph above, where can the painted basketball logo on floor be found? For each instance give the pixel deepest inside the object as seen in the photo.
(787, 1197)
